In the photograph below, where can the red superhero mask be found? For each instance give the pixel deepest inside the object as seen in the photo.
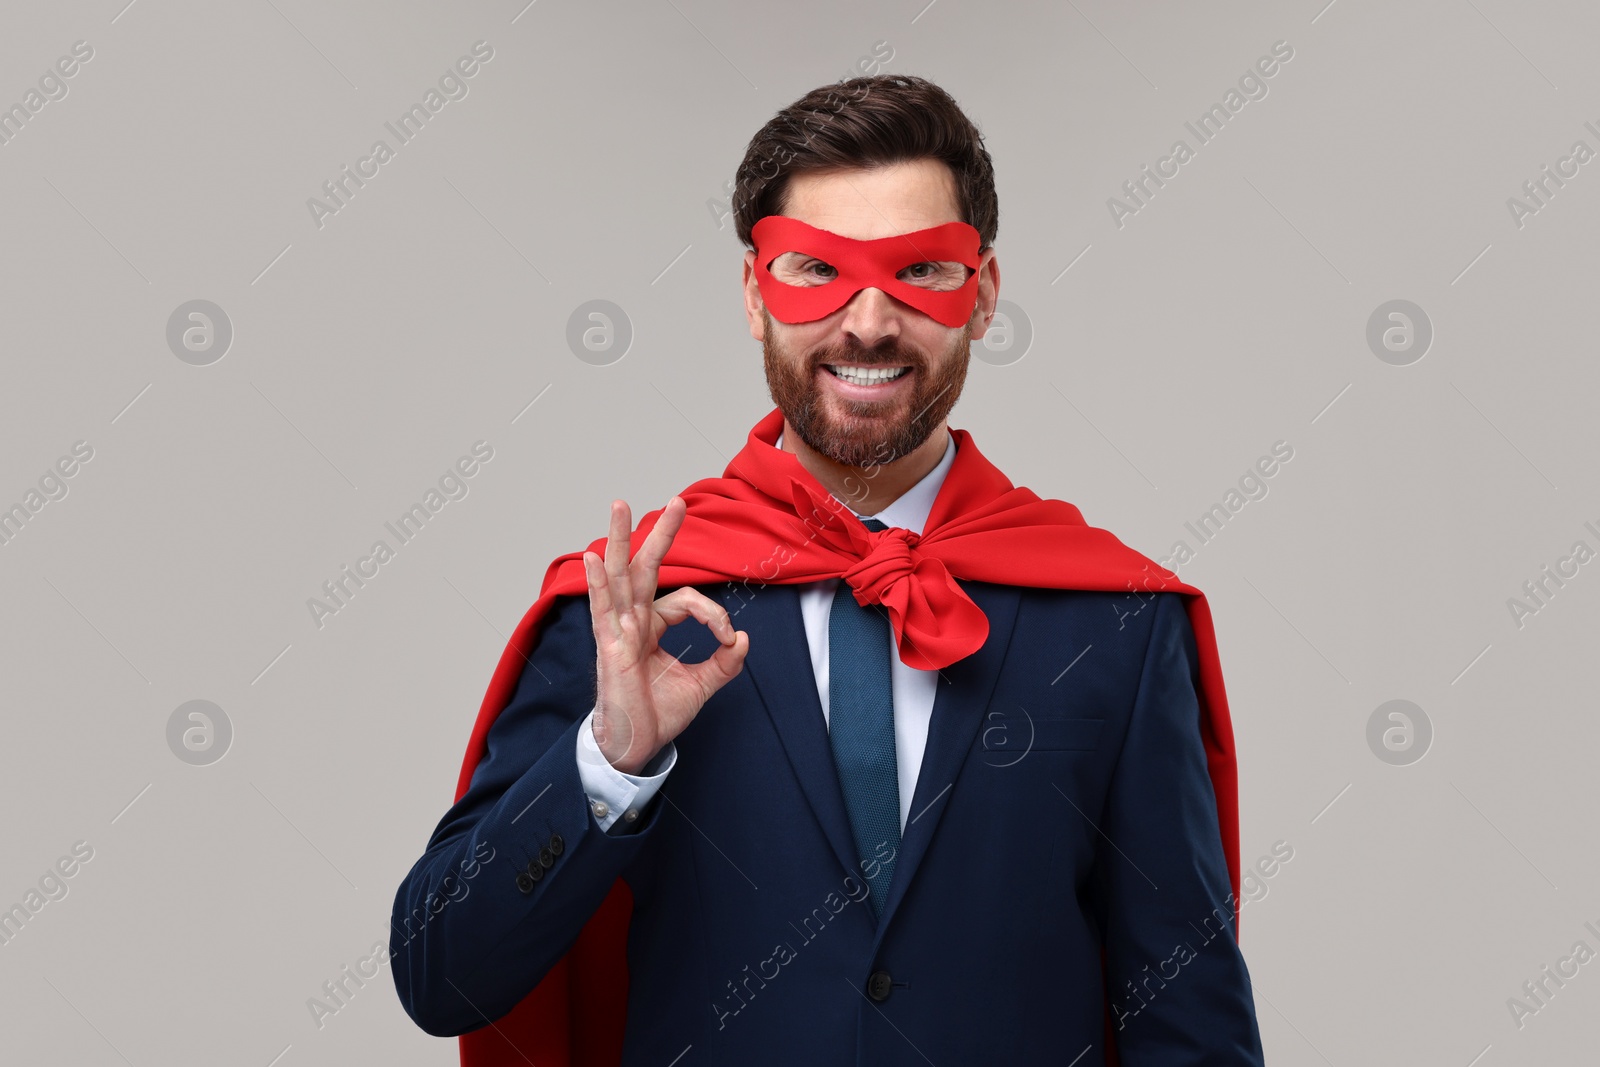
(863, 265)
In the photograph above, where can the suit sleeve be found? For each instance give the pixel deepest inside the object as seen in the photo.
(1177, 985)
(519, 864)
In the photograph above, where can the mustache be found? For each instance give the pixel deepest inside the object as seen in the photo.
(891, 354)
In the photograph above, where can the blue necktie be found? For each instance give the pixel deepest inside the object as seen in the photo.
(861, 729)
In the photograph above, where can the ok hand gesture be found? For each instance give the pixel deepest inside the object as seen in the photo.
(646, 696)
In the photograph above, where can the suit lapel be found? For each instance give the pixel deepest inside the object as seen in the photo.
(959, 705)
(779, 665)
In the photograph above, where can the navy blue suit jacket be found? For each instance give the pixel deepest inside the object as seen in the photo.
(1063, 807)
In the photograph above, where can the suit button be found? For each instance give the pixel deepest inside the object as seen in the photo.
(878, 985)
(547, 858)
(525, 882)
(535, 871)
(557, 846)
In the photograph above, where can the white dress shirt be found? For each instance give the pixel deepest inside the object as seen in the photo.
(614, 794)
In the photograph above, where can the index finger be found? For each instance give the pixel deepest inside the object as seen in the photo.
(648, 559)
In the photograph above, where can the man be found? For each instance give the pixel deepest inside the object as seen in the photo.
(909, 765)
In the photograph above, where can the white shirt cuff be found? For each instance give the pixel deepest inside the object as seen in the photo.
(614, 794)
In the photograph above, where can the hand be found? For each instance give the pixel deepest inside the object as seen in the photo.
(645, 695)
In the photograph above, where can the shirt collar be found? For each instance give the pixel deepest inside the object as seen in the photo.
(910, 510)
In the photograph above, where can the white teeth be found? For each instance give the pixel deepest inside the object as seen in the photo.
(867, 375)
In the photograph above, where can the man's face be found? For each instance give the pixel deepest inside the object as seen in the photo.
(855, 424)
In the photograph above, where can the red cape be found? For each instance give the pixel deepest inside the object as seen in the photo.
(767, 520)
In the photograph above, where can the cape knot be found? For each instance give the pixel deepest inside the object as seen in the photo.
(891, 558)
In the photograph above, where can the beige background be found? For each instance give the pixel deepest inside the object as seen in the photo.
(368, 354)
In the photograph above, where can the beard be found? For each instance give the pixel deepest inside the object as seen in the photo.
(865, 433)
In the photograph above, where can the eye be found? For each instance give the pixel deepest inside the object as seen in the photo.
(941, 276)
(822, 272)
(796, 268)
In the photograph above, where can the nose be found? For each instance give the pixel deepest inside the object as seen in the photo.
(871, 315)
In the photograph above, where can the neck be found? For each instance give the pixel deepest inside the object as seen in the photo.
(868, 490)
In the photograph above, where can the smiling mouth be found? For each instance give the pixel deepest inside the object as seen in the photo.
(858, 375)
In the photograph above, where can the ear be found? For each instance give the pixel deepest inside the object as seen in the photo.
(752, 299)
(988, 292)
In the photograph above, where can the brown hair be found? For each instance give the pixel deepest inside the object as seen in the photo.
(866, 122)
